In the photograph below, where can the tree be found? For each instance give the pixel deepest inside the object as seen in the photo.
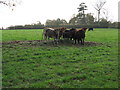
(56, 23)
(98, 6)
(73, 20)
(76, 19)
(104, 23)
(48, 22)
(63, 22)
(81, 9)
(89, 19)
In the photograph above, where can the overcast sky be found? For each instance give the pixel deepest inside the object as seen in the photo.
(31, 11)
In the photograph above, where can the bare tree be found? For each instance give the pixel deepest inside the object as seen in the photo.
(10, 3)
(3, 2)
(98, 6)
(106, 14)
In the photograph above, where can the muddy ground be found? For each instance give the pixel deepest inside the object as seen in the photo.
(49, 43)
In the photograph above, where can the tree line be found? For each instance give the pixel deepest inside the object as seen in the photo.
(74, 22)
(28, 26)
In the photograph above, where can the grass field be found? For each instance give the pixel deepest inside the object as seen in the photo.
(31, 65)
(12, 35)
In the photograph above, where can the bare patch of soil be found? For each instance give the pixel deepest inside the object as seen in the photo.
(49, 43)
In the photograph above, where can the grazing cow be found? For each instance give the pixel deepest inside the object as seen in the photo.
(90, 29)
(54, 33)
(60, 30)
(79, 35)
(68, 34)
(49, 33)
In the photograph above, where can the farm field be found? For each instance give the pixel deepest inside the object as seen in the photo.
(12, 35)
(29, 62)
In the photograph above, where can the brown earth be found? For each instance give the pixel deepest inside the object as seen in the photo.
(49, 43)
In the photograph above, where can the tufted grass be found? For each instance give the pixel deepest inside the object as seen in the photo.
(61, 66)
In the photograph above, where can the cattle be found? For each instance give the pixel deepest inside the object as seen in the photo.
(90, 29)
(54, 33)
(49, 33)
(73, 34)
(79, 35)
(60, 30)
(68, 34)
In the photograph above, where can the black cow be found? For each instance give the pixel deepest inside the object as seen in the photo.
(90, 29)
(68, 34)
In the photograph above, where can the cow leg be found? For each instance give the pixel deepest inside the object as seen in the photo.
(75, 41)
(78, 41)
(45, 37)
(55, 41)
(82, 41)
(70, 38)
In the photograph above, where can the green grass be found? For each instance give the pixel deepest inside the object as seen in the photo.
(98, 35)
(61, 66)
(12, 35)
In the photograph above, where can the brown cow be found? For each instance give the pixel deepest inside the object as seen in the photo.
(60, 30)
(49, 33)
(54, 33)
(79, 35)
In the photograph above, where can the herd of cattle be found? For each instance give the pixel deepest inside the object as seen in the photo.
(62, 33)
